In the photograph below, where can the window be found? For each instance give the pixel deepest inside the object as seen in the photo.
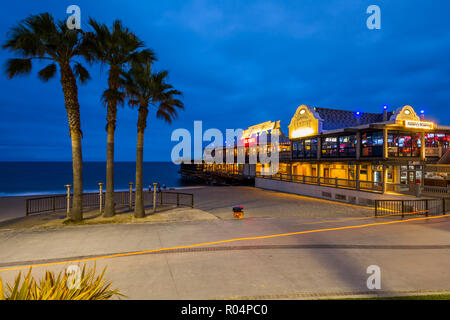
(372, 144)
(402, 145)
(306, 148)
(347, 146)
(436, 140)
(342, 146)
(330, 147)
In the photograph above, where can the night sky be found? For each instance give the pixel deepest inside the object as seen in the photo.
(238, 63)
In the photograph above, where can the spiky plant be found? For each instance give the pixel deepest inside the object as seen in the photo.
(40, 38)
(56, 287)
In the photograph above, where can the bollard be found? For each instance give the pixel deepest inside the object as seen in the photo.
(100, 194)
(131, 195)
(154, 196)
(68, 186)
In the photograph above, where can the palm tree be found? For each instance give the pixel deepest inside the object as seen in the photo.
(118, 48)
(39, 37)
(146, 89)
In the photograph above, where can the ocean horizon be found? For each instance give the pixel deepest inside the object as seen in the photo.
(24, 178)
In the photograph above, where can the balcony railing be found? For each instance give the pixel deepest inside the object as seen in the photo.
(327, 182)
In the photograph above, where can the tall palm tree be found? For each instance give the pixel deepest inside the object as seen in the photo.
(39, 37)
(146, 89)
(117, 48)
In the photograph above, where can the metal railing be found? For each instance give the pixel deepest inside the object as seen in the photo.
(226, 171)
(409, 189)
(436, 189)
(92, 200)
(326, 182)
(411, 207)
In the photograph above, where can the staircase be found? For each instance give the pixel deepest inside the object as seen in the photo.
(445, 159)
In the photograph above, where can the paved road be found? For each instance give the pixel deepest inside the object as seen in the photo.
(412, 256)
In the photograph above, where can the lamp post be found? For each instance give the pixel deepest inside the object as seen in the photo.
(154, 196)
(100, 194)
(68, 186)
(131, 195)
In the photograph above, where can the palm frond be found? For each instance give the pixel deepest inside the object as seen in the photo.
(15, 67)
(113, 97)
(48, 72)
(81, 73)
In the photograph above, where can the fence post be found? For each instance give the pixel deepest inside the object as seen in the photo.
(101, 197)
(403, 208)
(336, 182)
(376, 208)
(28, 207)
(131, 196)
(178, 199)
(154, 196)
(54, 204)
(68, 186)
(192, 199)
(443, 206)
(426, 207)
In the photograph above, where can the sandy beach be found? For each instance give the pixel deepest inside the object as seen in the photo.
(216, 202)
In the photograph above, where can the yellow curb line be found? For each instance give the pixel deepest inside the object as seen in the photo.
(221, 241)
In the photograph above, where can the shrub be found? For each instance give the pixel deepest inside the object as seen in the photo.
(57, 287)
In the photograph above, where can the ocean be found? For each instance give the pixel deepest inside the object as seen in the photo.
(40, 178)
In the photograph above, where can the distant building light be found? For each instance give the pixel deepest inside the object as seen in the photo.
(385, 107)
(422, 111)
(302, 132)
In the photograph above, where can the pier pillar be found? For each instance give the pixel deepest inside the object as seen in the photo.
(358, 145)
(385, 144)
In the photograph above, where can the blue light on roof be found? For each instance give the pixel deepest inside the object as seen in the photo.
(385, 107)
(357, 113)
(422, 111)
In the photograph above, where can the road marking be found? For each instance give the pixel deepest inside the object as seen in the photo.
(223, 241)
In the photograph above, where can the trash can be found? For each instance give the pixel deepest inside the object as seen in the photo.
(238, 212)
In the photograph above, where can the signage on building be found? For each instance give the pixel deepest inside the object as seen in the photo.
(419, 124)
(249, 141)
(267, 127)
(304, 123)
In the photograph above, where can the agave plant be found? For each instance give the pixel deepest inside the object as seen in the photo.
(55, 287)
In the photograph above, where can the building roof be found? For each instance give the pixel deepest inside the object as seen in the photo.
(338, 119)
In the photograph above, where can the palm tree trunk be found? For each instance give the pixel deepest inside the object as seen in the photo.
(76, 213)
(70, 91)
(139, 211)
(109, 195)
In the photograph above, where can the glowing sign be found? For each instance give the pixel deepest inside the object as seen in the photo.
(248, 141)
(303, 132)
(419, 124)
(304, 123)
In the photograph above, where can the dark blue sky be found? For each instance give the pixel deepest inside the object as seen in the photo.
(238, 63)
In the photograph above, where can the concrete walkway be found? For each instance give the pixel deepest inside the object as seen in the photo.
(413, 256)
